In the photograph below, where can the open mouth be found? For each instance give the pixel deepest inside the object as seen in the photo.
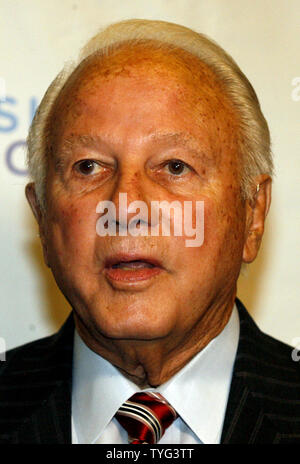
(131, 270)
(132, 265)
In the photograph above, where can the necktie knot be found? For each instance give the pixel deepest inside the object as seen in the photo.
(145, 417)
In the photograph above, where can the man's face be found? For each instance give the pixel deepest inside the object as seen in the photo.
(117, 127)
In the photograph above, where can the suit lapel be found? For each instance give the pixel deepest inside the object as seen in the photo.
(245, 419)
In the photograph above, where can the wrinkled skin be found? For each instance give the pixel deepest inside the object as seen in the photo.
(144, 107)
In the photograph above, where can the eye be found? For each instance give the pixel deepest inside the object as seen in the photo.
(87, 167)
(177, 167)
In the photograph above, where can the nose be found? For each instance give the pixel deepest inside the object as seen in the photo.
(131, 199)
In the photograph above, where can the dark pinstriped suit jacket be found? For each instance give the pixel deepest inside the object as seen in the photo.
(263, 404)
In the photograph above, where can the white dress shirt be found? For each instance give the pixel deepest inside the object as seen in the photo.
(198, 392)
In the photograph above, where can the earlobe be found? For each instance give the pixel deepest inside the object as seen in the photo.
(32, 199)
(257, 210)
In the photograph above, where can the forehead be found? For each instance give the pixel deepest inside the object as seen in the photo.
(148, 61)
(175, 78)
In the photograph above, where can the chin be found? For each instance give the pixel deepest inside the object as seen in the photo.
(141, 326)
(133, 332)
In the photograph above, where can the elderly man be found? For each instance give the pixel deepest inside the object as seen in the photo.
(157, 347)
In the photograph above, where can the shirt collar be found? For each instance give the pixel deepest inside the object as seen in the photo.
(99, 389)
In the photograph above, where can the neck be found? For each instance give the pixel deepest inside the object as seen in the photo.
(150, 363)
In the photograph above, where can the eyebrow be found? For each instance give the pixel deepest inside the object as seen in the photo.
(90, 141)
(72, 142)
(172, 136)
(186, 140)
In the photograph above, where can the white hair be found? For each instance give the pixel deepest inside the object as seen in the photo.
(254, 133)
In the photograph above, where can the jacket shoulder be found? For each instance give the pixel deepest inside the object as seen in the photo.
(32, 351)
(30, 373)
(268, 375)
(259, 352)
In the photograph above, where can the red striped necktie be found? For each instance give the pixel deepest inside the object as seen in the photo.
(145, 417)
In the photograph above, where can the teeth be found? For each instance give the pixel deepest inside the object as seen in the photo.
(132, 265)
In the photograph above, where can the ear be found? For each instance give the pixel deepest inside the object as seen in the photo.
(256, 212)
(32, 199)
